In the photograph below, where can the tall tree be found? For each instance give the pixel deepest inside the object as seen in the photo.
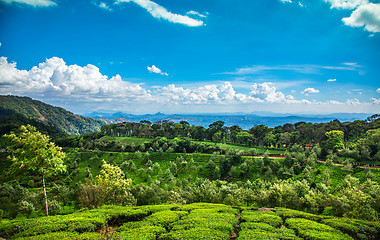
(33, 151)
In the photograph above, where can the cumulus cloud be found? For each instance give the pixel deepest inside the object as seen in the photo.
(195, 13)
(158, 11)
(378, 90)
(53, 78)
(78, 86)
(266, 92)
(34, 3)
(284, 1)
(205, 95)
(332, 80)
(309, 90)
(154, 69)
(346, 4)
(367, 16)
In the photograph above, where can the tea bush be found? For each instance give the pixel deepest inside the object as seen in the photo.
(146, 233)
(195, 234)
(261, 216)
(312, 230)
(359, 229)
(164, 218)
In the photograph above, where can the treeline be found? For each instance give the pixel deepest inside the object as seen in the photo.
(358, 140)
(281, 136)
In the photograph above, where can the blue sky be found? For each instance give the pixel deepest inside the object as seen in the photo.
(177, 56)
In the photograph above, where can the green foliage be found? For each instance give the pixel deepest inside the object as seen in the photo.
(54, 117)
(261, 216)
(115, 187)
(164, 218)
(335, 139)
(358, 229)
(289, 213)
(33, 151)
(146, 233)
(53, 235)
(195, 234)
(259, 230)
(312, 230)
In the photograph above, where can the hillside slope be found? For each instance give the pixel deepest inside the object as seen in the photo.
(56, 117)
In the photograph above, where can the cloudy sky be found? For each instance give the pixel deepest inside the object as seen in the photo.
(180, 56)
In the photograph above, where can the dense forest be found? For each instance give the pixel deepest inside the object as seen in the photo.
(166, 180)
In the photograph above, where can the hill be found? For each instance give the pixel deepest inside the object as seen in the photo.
(243, 120)
(26, 110)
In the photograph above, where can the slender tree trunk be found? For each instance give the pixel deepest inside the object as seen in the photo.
(45, 197)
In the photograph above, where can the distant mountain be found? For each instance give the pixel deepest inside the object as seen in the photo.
(16, 110)
(243, 120)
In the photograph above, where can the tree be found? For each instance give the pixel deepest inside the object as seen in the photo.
(33, 151)
(335, 139)
(115, 187)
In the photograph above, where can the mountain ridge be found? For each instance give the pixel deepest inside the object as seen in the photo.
(46, 114)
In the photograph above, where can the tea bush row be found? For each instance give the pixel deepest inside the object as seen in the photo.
(259, 230)
(308, 229)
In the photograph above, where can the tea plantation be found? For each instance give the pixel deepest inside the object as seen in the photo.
(192, 221)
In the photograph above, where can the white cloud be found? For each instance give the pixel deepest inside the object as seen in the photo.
(378, 90)
(346, 4)
(284, 1)
(367, 16)
(309, 90)
(195, 13)
(154, 69)
(34, 3)
(105, 6)
(375, 100)
(332, 80)
(84, 88)
(299, 3)
(354, 101)
(158, 11)
(208, 94)
(301, 68)
(266, 92)
(54, 79)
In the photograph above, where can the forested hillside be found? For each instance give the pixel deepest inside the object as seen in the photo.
(11, 107)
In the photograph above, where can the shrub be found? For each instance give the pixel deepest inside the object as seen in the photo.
(262, 216)
(195, 234)
(358, 229)
(53, 235)
(289, 213)
(312, 230)
(259, 230)
(88, 236)
(146, 233)
(164, 218)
